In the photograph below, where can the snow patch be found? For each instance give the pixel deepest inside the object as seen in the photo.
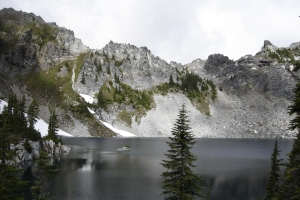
(42, 127)
(91, 111)
(121, 132)
(2, 104)
(87, 98)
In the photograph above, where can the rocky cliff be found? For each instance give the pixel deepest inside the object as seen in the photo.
(136, 91)
(36, 60)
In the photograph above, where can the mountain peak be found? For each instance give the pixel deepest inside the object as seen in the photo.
(268, 46)
(12, 14)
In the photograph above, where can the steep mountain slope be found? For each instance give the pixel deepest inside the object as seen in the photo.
(135, 91)
(36, 60)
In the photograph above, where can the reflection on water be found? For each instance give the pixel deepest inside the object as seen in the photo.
(231, 168)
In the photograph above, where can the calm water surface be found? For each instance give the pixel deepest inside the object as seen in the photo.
(94, 169)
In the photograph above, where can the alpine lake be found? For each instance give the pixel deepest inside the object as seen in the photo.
(232, 169)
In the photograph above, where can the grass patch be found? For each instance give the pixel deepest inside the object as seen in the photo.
(39, 33)
(79, 63)
(32, 32)
(284, 55)
(200, 91)
(126, 117)
(124, 94)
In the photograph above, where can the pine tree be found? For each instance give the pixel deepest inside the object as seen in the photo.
(10, 184)
(43, 172)
(179, 181)
(291, 183)
(274, 176)
(32, 116)
(295, 109)
(22, 122)
(53, 128)
(12, 114)
(171, 81)
(83, 79)
(108, 70)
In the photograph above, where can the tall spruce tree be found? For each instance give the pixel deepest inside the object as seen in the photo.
(179, 181)
(274, 176)
(53, 128)
(32, 115)
(22, 121)
(291, 182)
(43, 172)
(10, 184)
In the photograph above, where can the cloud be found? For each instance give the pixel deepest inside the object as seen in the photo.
(172, 29)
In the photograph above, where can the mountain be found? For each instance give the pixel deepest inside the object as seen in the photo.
(135, 91)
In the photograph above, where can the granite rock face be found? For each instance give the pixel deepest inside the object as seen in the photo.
(136, 67)
(37, 45)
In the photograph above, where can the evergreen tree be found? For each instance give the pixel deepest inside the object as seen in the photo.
(10, 184)
(171, 81)
(12, 114)
(53, 128)
(22, 122)
(274, 176)
(295, 109)
(15, 111)
(95, 62)
(83, 79)
(179, 181)
(32, 116)
(43, 172)
(291, 182)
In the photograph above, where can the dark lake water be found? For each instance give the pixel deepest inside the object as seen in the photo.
(94, 169)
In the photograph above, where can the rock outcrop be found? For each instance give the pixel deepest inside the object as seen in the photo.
(51, 148)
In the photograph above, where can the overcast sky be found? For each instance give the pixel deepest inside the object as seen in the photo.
(175, 30)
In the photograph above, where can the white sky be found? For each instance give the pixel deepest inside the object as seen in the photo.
(175, 30)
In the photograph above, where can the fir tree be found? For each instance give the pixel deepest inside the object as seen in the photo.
(291, 182)
(32, 116)
(83, 79)
(11, 112)
(171, 81)
(33, 111)
(274, 176)
(108, 70)
(10, 184)
(43, 172)
(53, 128)
(22, 121)
(95, 62)
(295, 109)
(179, 181)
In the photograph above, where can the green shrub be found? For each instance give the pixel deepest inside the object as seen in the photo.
(27, 146)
